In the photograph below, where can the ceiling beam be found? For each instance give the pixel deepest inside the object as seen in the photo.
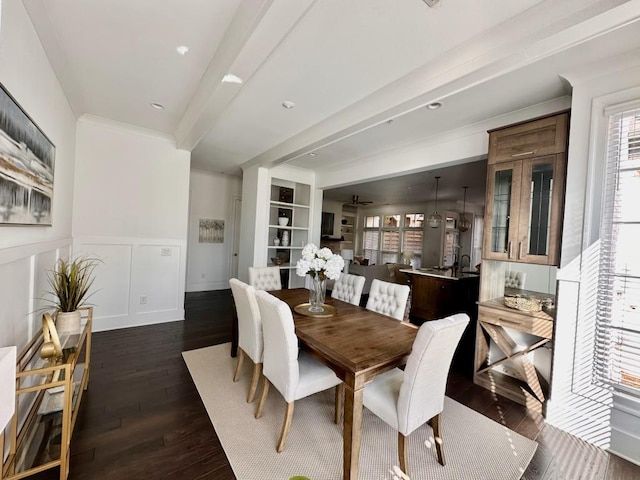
(247, 44)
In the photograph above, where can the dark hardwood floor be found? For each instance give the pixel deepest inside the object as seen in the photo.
(142, 416)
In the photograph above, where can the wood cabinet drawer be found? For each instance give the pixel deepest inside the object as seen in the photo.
(546, 136)
(518, 321)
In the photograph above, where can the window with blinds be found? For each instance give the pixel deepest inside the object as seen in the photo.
(390, 246)
(387, 239)
(617, 352)
(412, 238)
(370, 245)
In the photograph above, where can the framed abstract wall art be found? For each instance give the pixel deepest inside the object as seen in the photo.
(26, 167)
(211, 231)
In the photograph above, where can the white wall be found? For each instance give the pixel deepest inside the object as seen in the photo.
(26, 253)
(131, 210)
(253, 220)
(335, 208)
(211, 196)
(467, 143)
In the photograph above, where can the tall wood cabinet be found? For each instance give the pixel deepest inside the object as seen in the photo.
(523, 224)
(525, 191)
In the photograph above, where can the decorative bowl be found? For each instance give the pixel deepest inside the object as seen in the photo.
(277, 260)
(283, 221)
(523, 303)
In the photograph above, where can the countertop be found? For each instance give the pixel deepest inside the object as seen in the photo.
(448, 273)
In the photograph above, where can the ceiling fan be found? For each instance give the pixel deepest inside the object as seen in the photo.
(355, 202)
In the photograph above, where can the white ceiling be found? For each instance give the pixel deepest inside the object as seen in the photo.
(347, 65)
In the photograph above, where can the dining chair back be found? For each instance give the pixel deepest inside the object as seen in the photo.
(388, 298)
(265, 278)
(407, 399)
(250, 341)
(348, 288)
(295, 374)
(514, 279)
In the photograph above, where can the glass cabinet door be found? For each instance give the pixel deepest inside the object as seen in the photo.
(542, 185)
(503, 189)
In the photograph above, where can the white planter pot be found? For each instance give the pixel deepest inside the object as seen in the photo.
(68, 321)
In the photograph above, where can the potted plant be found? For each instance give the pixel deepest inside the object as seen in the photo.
(70, 281)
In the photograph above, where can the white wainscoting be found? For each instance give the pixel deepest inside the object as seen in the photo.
(140, 281)
(23, 287)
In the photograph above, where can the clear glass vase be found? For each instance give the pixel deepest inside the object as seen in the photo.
(317, 294)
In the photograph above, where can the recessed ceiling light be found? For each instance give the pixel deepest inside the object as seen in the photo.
(231, 78)
(157, 106)
(182, 49)
(434, 106)
(312, 154)
(287, 104)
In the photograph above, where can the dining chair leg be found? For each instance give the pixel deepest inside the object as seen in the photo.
(236, 375)
(257, 370)
(288, 416)
(339, 397)
(263, 397)
(437, 436)
(402, 453)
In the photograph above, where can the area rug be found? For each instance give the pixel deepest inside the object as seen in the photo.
(475, 446)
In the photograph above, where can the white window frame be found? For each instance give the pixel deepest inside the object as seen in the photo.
(617, 321)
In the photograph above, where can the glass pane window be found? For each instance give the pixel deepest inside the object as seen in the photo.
(390, 246)
(540, 210)
(617, 352)
(372, 222)
(501, 211)
(388, 257)
(412, 242)
(414, 220)
(391, 221)
(412, 247)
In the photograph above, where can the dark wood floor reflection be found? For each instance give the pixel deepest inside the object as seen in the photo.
(142, 417)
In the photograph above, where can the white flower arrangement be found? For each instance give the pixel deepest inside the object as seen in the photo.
(320, 261)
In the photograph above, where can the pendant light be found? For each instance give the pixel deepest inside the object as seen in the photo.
(464, 224)
(435, 219)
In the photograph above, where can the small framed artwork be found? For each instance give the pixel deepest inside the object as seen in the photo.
(26, 167)
(211, 231)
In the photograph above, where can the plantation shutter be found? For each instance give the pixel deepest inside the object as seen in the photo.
(371, 240)
(617, 349)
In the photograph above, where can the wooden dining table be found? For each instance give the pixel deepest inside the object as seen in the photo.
(357, 344)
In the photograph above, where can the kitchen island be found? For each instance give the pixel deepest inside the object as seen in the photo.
(437, 293)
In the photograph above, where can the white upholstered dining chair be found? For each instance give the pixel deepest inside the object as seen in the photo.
(295, 374)
(265, 278)
(388, 298)
(348, 288)
(407, 399)
(249, 332)
(514, 279)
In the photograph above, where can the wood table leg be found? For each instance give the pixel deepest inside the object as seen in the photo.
(352, 431)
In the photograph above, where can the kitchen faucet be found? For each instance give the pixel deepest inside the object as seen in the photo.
(462, 261)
